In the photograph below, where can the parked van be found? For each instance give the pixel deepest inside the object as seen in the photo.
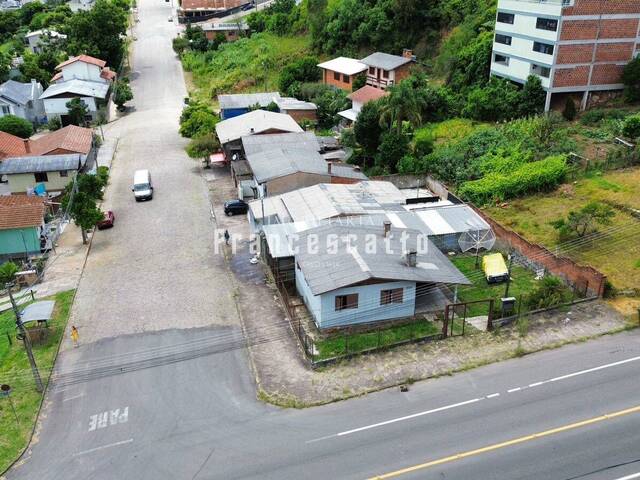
(142, 186)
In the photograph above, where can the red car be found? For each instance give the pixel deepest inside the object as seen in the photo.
(107, 221)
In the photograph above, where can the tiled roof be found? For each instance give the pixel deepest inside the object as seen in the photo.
(107, 73)
(19, 211)
(11, 146)
(83, 58)
(57, 76)
(366, 94)
(70, 138)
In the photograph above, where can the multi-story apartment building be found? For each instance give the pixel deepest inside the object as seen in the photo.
(574, 46)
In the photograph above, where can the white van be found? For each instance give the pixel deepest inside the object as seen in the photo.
(142, 186)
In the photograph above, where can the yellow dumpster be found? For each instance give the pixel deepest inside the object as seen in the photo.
(495, 268)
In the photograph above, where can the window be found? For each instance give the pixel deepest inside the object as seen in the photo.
(501, 59)
(543, 48)
(547, 24)
(41, 177)
(372, 70)
(64, 173)
(5, 110)
(387, 297)
(540, 70)
(385, 74)
(506, 17)
(336, 76)
(344, 302)
(346, 78)
(504, 39)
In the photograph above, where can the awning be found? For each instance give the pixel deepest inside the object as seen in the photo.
(38, 311)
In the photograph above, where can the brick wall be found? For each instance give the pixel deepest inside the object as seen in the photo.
(402, 72)
(329, 79)
(584, 277)
(570, 54)
(619, 28)
(614, 52)
(588, 29)
(595, 7)
(607, 74)
(571, 77)
(579, 30)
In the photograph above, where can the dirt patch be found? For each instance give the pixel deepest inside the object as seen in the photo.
(626, 306)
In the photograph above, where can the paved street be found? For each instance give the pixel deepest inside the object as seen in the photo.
(161, 387)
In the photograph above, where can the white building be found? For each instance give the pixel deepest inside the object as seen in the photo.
(22, 100)
(36, 39)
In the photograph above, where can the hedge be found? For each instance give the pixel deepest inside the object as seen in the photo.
(528, 178)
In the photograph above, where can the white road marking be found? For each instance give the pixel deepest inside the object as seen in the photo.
(108, 418)
(629, 477)
(493, 395)
(73, 398)
(537, 384)
(123, 442)
(513, 390)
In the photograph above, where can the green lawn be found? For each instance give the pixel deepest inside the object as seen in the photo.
(522, 282)
(15, 370)
(336, 346)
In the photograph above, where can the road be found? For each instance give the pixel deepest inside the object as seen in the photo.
(161, 386)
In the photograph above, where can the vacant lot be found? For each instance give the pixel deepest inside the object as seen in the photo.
(615, 251)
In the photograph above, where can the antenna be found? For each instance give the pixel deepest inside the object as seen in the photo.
(475, 240)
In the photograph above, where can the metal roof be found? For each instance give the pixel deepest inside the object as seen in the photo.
(255, 122)
(345, 171)
(385, 61)
(350, 114)
(290, 103)
(84, 88)
(246, 100)
(38, 311)
(43, 163)
(260, 143)
(17, 92)
(270, 164)
(364, 253)
(348, 66)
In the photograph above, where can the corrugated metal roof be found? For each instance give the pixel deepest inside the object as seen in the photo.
(44, 163)
(76, 86)
(270, 164)
(255, 122)
(363, 253)
(246, 100)
(345, 171)
(17, 92)
(259, 143)
(385, 61)
(290, 103)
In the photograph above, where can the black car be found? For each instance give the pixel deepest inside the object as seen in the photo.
(234, 207)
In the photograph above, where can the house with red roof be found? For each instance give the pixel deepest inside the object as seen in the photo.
(84, 77)
(21, 225)
(359, 98)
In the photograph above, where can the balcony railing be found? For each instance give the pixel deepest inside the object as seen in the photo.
(563, 3)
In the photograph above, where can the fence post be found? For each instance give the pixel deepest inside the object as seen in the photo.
(346, 343)
(11, 342)
(490, 318)
(32, 296)
(379, 330)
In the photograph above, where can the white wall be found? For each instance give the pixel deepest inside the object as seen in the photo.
(549, 7)
(58, 106)
(82, 71)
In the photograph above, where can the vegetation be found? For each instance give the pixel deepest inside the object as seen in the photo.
(15, 371)
(77, 112)
(584, 221)
(7, 272)
(297, 72)
(82, 203)
(549, 292)
(203, 147)
(16, 126)
(631, 80)
(197, 120)
(122, 93)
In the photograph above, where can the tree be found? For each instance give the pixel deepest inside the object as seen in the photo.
(198, 39)
(570, 112)
(498, 100)
(631, 127)
(358, 82)
(8, 270)
(392, 149)
(631, 80)
(82, 203)
(197, 120)
(16, 126)
(584, 221)
(203, 147)
(403, 104)
(180, 44)
(31, 70)
(329, 104)
(367, 129)
(302, 70)
(54, 124)
(123, 93)
(77, 111)
(532, 97)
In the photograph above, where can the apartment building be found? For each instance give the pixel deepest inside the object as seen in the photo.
(574, 46)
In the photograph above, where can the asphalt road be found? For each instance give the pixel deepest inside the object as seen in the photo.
(155, 392)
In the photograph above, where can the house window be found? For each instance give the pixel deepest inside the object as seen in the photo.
(64, 173)
(346, 78)
(5, 110)
(41, 177)
(344, 302)
(504, 17)
(501, 59)
(547, 24)
(372, 70)
(394, 295)
(545, 48)
(336, 76)
(385, 74)
(540, 70)
(504, 39)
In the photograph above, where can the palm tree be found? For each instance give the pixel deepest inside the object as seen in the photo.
(402, 105)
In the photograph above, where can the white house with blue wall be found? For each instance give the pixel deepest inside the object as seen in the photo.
(350, 275)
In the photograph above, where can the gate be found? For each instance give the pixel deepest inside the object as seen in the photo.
(455, 317)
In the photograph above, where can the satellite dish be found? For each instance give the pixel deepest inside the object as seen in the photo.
(476, 240)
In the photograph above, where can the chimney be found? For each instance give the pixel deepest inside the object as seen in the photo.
(329, 164)
(407, 53)
(27, 145)
(411, 258)
(252, 131)
(357, 168)
(387, 228)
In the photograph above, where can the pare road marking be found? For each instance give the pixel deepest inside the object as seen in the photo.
(108, 418)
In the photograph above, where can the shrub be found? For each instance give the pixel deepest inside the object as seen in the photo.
(550, 292)
(393, 147)
(180, 44)
(570, 112)
(422, 142)
(300, 71)
(584, 221)
(7, 272)
(197, 120)
(54, 124)
(631, 127)
(631, 80)
(597, 115)
(16, 126)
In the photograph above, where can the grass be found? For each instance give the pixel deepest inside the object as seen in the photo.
(15, 370)
(336, 346)
(522, 282)
(247, 65)
(615, 252)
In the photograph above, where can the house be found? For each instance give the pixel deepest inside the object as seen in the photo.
(12, 146)
(257, 122)
(360, 98)
(191, 11)
(230, 31)
(384, 69)
(83, 77)
(21, 224)
(575, 47)
(233, 105)
(22, 100)
(297, 109)
(37, 38)
(341, 72)
(42, 173)
(350, 275)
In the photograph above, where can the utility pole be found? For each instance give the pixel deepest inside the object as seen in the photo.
(26, 340)
(506, 289)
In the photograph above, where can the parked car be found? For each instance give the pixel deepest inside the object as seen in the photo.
(171, 19)
(235, 207)
(107, 221)
(142, 186)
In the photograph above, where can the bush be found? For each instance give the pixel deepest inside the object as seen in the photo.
(597, 115)
(16, 126)
(570, 112)
(197, 120)
(422, 142)
(393, 147)
(300, 71)
(631, 80)
(7, 272)
(103, 175)
(180, 44)
(549, 293)
(631, 127)
(54, 124)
